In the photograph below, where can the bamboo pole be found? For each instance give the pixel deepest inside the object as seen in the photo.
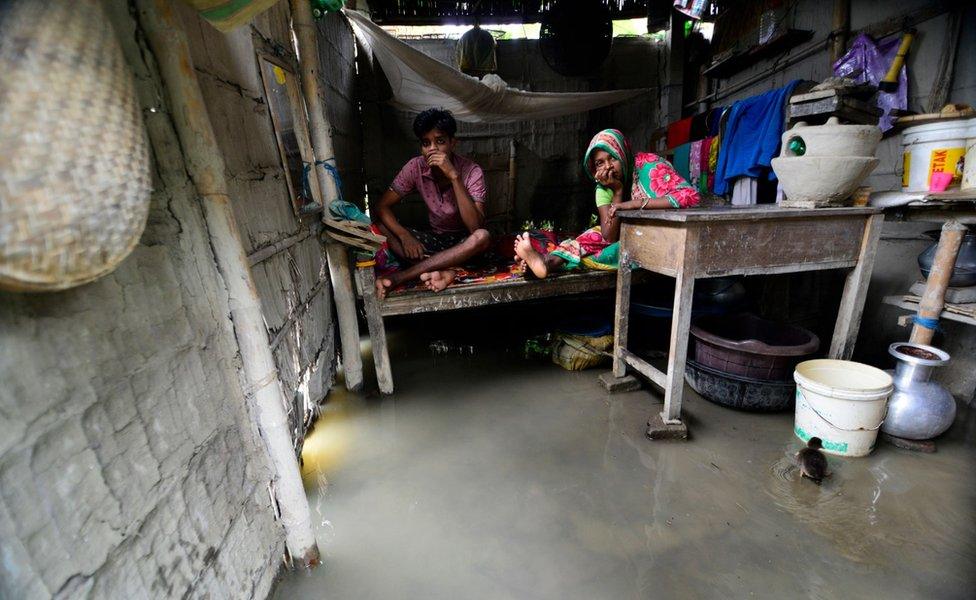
(933, 299)
(205, 165)
(321, 131)
(841, 24)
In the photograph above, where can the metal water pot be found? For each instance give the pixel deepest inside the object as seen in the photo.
(919, 409)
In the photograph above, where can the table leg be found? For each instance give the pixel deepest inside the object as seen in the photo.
(855, 290)
(622, 317)
(377, 329)
(684, 289)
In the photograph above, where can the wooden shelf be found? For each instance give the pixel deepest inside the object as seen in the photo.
(901, 302)
(731, 65)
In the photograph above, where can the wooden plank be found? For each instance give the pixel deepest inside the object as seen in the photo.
(747, 247)
(725, 246)
(680, 326)
(776, 269)
(353, 241)
(656, 247)
(847, 109)
(735, 213)
(947, 313)
(517, 290)
(354, 228)
(621, 320)
(267, 252)
(643, 367)
(855, 290)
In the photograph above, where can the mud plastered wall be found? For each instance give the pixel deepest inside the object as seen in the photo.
(124, 414)
(292, 281)
(129, 467)
(550, 182)
(337, 80)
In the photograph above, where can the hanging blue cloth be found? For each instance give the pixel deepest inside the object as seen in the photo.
(751, 138)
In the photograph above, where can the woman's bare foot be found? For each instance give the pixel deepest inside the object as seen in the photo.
(532, 259)
(438, 280)
(383, 285)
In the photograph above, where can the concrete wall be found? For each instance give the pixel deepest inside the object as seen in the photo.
(129, 463)
(896, 267)
(923, 60)
(550, 183)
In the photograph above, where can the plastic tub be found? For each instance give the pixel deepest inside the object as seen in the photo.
(938, 146)
(740, 393)
(843, 403)
(748, 346)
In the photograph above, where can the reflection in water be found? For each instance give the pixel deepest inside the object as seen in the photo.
(824, 509)
(868, 514)
(496, 478)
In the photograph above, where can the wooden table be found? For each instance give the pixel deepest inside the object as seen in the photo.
(714, 242)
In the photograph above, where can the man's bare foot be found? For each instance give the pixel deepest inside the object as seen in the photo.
(438, 280)
(532, 259)
(383, 285)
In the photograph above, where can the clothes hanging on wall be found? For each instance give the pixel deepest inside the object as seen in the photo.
(680, 160)
(694, 163)
(701, 167)
(751, 137)
(679, 132)
(713, 120)
(419, 82)
(745, 191)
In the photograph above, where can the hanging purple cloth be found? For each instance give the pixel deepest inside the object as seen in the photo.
(868, 62)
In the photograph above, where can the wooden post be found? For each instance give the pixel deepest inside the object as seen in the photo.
(205, 165)
(366, 278)
(933, 300)
(674, 89)
(339, 271)
(622, 318)
(841, 27)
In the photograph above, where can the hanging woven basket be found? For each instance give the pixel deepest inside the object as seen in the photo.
(74, 159)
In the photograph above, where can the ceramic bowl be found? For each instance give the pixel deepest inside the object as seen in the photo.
(833, 139)
(822, 180)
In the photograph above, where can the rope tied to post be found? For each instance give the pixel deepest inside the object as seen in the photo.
(330, 168)
(926, 322)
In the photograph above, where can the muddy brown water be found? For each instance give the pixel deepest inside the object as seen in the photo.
(489, 476)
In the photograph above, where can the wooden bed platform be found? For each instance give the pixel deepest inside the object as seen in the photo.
(459, 297)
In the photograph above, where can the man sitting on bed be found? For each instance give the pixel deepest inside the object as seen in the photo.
(453, 188)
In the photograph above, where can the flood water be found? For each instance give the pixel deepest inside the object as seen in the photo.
(490, 476)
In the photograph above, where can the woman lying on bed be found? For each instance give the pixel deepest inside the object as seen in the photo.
(623, 182)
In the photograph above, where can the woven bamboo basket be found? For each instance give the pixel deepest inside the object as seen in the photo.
(74, 166)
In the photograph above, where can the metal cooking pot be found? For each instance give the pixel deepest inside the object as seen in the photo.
(964, 273)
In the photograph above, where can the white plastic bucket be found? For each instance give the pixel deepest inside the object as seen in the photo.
(938, 146)
(841, 402)
(969, 171)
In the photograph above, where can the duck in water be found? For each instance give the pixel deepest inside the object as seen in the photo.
(812, 462)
